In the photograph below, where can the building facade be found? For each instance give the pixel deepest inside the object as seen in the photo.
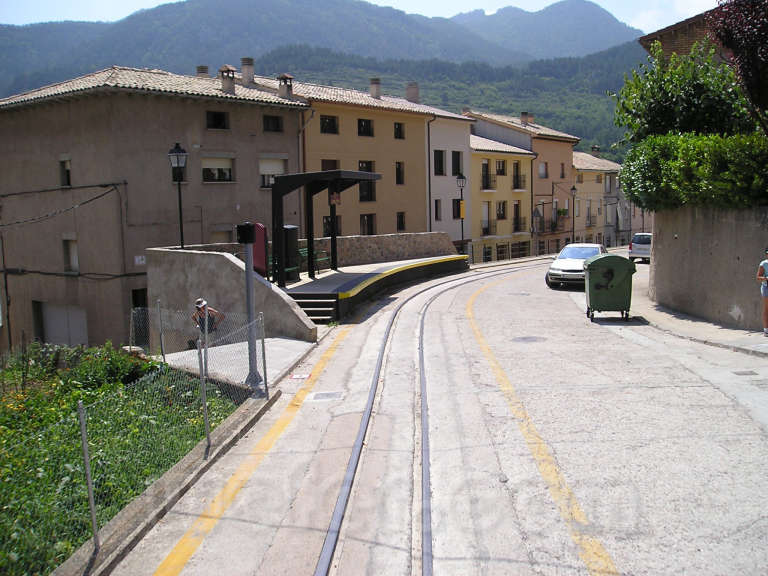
(87, 186)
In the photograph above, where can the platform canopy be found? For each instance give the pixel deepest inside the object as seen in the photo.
(335, 181)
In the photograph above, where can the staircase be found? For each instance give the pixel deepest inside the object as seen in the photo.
(321, 308)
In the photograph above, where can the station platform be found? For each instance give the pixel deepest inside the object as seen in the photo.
(334, 294)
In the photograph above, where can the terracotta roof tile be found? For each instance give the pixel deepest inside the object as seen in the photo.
(530, 128)
(481, 144)
(584, 161)
(335, 94)
(150, 81)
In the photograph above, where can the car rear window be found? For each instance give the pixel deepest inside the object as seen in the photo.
(641, 239)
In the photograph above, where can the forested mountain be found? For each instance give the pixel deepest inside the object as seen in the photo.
(568, 28)
(178, 36)
(569, 94)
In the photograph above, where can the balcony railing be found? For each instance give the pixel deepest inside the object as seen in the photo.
(488, 227)
(519, 182)
(549, 226)
(519, 225)
(590, 220)
(489, 182)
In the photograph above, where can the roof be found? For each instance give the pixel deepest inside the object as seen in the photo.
(152, 81)
(535, 130)
(588, 162)
(480, 144)
(699, 20)
(337, 95)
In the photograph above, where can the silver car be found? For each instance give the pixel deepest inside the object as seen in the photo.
(640, 247)
(568, 266)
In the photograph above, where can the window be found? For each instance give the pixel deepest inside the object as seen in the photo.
(217, 120)
(501, 210)
(399, 173)
(456, 163)
(217, 169)
(329, 124)
(580, 177)
(438, 209)
(367, 189)
(327, 226)
(65, 173)
(399, 131)
(562, 170)
(71, 262)
(439, 162)
(329, 165)
(543, 170)
(364, 127)
(518, 181)
(576, 207)
(501, 167)
(401, 221)
(269, 168)
(367, 224)
(273, 123)
(599, 178)
(600, 206)
(456, 209)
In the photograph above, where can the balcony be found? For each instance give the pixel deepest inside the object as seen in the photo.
(590, 220)
(488, 228)
(489, 182)
(519, 225)
(544, 225)
(519, 182)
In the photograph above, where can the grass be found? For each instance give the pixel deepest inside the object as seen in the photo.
(142, 418)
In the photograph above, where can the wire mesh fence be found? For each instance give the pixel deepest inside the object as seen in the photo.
(134, 434)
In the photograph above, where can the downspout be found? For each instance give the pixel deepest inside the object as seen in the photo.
(429, 172)
(302, 138)
(534, 237)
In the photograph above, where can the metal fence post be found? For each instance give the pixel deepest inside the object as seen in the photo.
(203, 395)
(88, 479)
(264, 352)
(131, 333)
(205, 366)
(160, 320)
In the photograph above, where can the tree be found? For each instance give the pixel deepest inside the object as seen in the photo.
(688, 93)
(741, 26)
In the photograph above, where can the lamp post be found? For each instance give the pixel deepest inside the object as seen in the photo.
(178, 158)
(461, 181)
(573, 213)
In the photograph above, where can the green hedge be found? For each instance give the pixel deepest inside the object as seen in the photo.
(666, 172)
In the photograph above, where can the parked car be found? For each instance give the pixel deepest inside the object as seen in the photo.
(568, 266)
(640, 247)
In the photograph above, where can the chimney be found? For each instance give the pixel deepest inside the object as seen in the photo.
(526, 118)
(227, 74)
(246, 70)
(595, 150)
(202, 71)
(285, 86)
(375, 87)
(412, 93)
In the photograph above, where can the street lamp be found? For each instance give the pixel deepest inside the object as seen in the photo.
(178, 158)
(461, 181)
(573, 213)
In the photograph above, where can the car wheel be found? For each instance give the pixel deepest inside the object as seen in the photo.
(546, 279)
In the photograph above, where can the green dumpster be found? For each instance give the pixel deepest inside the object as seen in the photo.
(608, 284)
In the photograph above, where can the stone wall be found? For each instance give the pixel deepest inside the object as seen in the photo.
(178, 277)
(704, 262)
(354, 250)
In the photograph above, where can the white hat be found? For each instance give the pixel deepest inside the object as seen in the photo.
(200, 302)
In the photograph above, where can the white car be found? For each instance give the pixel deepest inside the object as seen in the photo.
(640, 247)
(568, 266)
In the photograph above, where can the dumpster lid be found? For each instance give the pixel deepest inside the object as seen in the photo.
(609, 261)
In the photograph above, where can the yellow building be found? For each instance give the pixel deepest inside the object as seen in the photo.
(369, 131)
(500, 197)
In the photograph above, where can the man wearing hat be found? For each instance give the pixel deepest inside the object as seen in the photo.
(214, 316)
(761, 277)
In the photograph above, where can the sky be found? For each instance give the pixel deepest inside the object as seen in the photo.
(647, 15)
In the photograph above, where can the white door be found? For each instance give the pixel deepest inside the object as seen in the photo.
(65, 325)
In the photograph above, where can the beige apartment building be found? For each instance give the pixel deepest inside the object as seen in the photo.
(86, 186)
(552, 177)
(501, 200)
(372, 132)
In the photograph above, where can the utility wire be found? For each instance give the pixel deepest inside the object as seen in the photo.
(50, 215)
(98, 276)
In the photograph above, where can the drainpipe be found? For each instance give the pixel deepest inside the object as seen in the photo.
(429, 172)
(534, 237)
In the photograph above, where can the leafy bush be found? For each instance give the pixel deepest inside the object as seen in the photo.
(666, 172)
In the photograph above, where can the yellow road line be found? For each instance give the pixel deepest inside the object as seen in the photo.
(178, 557)
(591, 551)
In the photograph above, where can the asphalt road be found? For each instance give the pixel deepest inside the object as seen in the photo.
(558, 446)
